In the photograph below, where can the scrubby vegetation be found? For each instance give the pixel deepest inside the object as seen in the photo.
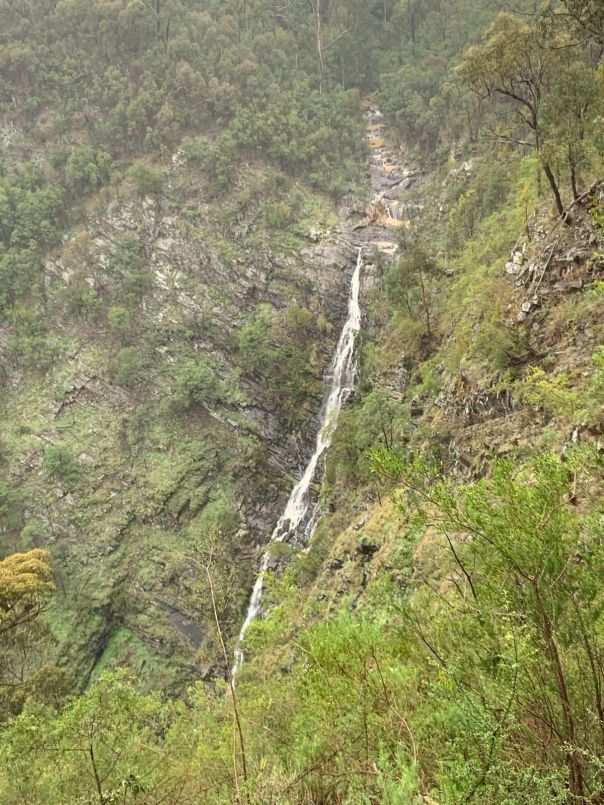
(484, 682)
(163, 168)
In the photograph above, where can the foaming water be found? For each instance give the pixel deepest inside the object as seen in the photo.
(300, 516)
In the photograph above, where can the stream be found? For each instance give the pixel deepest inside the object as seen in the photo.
(301, 514)
(390, 177)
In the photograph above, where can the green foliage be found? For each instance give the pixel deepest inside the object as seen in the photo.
(61, 465)
(529, 601)
(129, 262)
(425, 41)
(288, 367)
(159, 72)
(119, 319)
(86, 169)
(503, 347)
(30, 207)
(597, 213)
(278, 215)
(597, 382)
(415, 696)
(193, 149)
(556, 393)
(254, 341)
(10, 509)
(100, 738)
(424, 688)
(129, 367)
(377, 419)
(199, 382)
(146, 181)
(555, 100)
(409, 286)
(218, 516)
(589, 15)
(32, 343)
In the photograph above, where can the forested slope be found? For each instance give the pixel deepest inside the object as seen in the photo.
(183, 189)
(163, 338)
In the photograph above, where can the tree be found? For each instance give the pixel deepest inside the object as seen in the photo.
(60, 464)
(129, 366)
(516, 63)
(382, 420)
(589, 14)
(10, 509)
(379, 419)
(570, 114)
(25, 586)
(86, 168)
(319, 10)
(120, 320)
(129, 261)
(316, 7)
(146, 181)
(523, 595)
(101, 748)
(407, 285)
(254, 341)
(199, 382)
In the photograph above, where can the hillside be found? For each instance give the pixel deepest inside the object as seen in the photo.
(189, 191)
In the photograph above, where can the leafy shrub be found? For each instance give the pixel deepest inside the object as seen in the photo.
(129, 367)
(86, 168)
(198, 381)
(120, 320)
(60, 463)
(129, 260)
(145, 180)
(278, 215)
(554, 393)
(503, 347)
(254, 340)
(10, 512)
(194, 148)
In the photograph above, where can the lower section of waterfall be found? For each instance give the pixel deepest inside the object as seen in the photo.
(300, 517)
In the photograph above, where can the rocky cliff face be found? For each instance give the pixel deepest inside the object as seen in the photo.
(126, 455)
(529, 379)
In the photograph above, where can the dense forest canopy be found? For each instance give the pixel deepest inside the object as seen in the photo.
(469, 666)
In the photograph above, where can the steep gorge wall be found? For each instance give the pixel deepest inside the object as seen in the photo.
(147, 470)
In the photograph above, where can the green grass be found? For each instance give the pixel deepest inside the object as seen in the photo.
(123, 648)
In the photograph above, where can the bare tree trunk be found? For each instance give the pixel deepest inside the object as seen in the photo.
(547, 168)
(554, 188)
(234, 700)
(95, 772)
(411, 18)
(573, 760)
(573, 174)
(316, 11)
(596, 669)
(425, 304)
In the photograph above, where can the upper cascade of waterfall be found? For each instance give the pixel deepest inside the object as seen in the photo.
(340, 384)
(300, 512)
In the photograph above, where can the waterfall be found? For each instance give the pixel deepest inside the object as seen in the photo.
(299, 512)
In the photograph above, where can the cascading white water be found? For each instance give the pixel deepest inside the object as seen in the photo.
(340, 385)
